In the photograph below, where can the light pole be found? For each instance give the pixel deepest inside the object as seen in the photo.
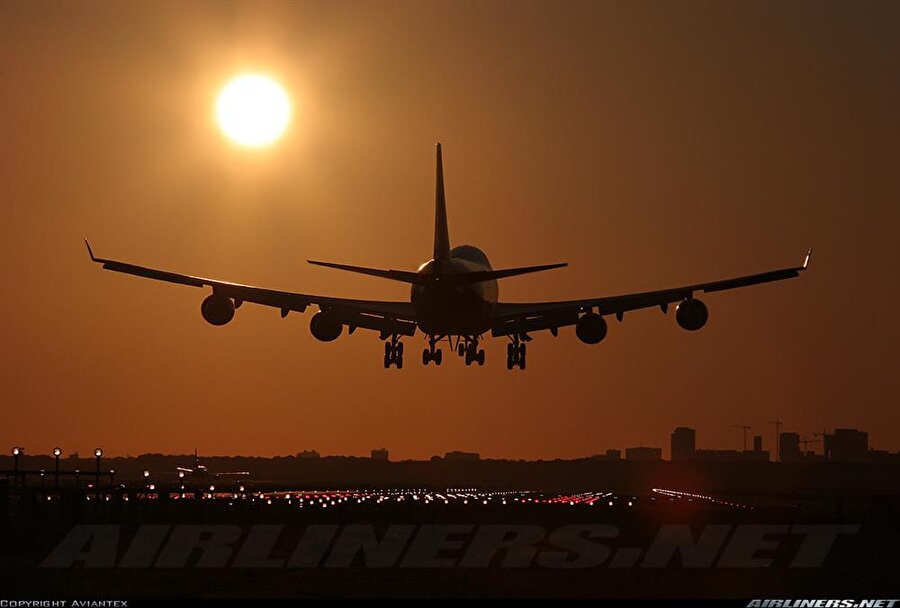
(57, 452)
(98, 452)
(16, 452)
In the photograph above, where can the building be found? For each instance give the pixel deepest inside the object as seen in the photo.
(380, 454)
(757, 443)
(457, 455)
(613, 454)
(308, 454)
(847, 445)
(684, 443)
(642, 454)
(789, 447)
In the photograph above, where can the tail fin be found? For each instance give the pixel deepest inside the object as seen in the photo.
(441, 233)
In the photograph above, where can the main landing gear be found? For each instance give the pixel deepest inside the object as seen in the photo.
(431, 353)
(470, 351)
(515, 353)
(393, 353)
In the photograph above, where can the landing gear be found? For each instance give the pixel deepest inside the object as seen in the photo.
(472, 353)
(393, 353)
(431, 353)
(515, 353)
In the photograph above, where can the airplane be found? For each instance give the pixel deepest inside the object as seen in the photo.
(454, 298)
(201, 473)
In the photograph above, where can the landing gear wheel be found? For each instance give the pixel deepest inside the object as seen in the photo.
(480, 357)
(387, 362)
(438, 356)
(522, 351)
(460, 349)
(399, 362)
(509, 362)
(426, 357)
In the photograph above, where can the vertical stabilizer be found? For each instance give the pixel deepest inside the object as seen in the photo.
(441, 233)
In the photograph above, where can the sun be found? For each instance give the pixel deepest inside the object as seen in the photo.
(253, 110)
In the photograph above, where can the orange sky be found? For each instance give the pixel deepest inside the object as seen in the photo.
(648, 144)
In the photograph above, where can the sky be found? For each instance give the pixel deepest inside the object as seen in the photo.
(648, 144)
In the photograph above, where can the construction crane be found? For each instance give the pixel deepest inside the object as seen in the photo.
(777, 424)
(745, 429)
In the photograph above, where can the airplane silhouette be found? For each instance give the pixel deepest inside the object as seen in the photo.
(199, 472)
(454, 298)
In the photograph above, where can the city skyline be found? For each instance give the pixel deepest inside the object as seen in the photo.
(814, 444)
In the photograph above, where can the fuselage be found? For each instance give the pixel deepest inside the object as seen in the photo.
(445, 309)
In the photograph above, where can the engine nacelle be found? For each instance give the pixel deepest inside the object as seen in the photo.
(217, 309)
(591, 328)
(691, 314)
(325, 327)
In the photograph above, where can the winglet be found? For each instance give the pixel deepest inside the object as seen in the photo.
(807, 258)
(90, 251)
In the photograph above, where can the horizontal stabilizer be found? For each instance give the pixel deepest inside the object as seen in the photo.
(479, 276)
(395, 275)
(457, 279)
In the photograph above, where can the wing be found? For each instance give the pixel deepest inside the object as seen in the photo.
(385, 317)
(520, 318)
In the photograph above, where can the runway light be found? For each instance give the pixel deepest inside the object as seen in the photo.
(146, 473)
(17, 451)
(98, 452)
(57, 452)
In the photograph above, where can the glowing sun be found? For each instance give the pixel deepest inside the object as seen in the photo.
(253, 110)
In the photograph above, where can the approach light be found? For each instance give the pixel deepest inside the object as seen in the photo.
(57, 452)
(98, 452)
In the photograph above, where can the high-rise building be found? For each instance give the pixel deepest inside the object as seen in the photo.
(847, 445)
(684, 443)
(789, 447)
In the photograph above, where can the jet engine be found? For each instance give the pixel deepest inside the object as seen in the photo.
(691, 314)
(217, 309)
(591, 328)
(325, 327)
